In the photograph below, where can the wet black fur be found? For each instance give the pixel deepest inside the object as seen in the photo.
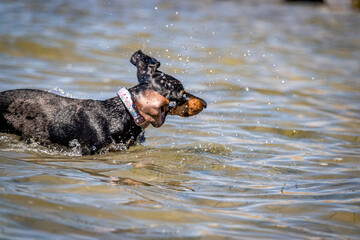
(50, 118)
(148, 75)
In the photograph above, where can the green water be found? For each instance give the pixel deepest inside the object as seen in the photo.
(274, 156)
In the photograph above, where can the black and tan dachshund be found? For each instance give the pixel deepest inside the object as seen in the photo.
(95, 124)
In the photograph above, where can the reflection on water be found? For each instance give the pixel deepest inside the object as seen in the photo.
(275, 154)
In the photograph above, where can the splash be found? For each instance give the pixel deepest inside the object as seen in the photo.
(62, 92)
(12, 143)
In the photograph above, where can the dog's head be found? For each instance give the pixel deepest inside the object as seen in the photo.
(160, 94)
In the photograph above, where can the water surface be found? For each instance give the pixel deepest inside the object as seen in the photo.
(275, 154)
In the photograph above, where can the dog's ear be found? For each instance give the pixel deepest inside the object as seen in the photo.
(146, 66)
(152, 106)
(134, 58)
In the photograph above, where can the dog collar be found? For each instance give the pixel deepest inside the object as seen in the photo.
(125, 97)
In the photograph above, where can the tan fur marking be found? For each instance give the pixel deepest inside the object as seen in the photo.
(152, 106)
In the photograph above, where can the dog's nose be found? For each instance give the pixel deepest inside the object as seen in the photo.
(195, 105)
(203, 102)
(189, 96)
(191, 107)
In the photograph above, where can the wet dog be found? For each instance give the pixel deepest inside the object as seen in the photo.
(95, 124)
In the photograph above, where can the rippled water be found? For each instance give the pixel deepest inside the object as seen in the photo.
(275, 154)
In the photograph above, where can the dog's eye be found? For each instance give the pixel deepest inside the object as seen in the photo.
(172, 104)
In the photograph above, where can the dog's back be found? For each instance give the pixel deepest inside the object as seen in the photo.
(12, 111)
(50, 118)
(28, 112)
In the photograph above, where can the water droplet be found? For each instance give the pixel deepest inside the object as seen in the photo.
(69, 66)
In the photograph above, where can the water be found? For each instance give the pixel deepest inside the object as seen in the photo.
(275, 154)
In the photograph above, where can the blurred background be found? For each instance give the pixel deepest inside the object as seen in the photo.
(275, 154)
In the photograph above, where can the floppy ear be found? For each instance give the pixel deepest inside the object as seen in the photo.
(152, 106)
(134, 58)
(146, 66)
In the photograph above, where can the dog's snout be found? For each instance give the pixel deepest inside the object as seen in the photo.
(192, 106)
(203, 102)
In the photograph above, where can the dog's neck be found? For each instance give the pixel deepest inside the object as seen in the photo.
(121, 124)
(128, 102)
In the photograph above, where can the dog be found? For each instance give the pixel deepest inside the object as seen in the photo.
(93, 125)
